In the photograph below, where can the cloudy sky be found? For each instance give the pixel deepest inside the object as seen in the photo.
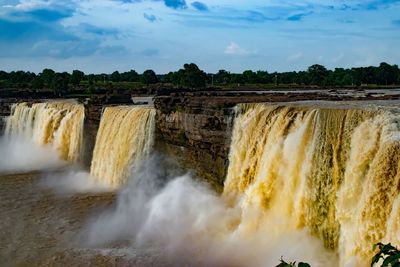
(108, 35)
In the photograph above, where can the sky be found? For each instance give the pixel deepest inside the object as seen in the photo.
(98, 36)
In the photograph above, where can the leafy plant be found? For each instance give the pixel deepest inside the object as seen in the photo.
(292, 264)
(389, 254)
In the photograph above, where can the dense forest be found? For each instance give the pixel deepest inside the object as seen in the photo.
(190, 76)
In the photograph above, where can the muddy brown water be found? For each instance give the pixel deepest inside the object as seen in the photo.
(40, 228)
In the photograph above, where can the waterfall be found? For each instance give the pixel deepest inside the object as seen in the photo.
(58, 125)
(124, 138)
(333, 171)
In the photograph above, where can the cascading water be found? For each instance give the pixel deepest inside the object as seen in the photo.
(296, 171)
(58, 125)
(333, 171)
(124, 138)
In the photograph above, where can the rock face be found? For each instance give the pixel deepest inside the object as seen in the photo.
(5, 110)
(196, 136)
(93, 111)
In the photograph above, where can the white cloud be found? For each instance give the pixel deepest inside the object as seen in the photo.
(235, 49)
(338, 58)
(28, 5)
(295, 57)
(242, 31)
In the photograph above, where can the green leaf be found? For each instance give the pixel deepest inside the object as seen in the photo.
(375, 259)
(284, 264)
(389, 253)
(391, 260)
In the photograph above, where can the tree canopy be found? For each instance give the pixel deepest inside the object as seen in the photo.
(192, 77)
(149, 77)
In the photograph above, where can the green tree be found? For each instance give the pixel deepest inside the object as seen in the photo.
(21, 77)
(398, 78)
(337, 77)
(193, 77)
(263, 77)
(77, 77)
(149, 77)
(37, 83)
(387, 74)
(47, 76)
(318, 74)
(249, 76)
(237, 79)
(347, 79)
(303, 78)
(172, 77)
(59, 83)
(369, 75)
(115, 76)
(287, 77)
(357, 76)
(91, 79)
(130, 76)
(3, 75)
(222, 77)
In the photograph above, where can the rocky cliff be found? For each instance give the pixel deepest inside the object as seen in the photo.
(5, 109)
(195, 134)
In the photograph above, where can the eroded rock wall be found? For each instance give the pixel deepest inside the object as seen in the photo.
(5, 110)
(93, 111)
(195, 134)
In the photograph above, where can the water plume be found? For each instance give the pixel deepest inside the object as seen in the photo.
(20, 155)
(71, 181)
(189, 224)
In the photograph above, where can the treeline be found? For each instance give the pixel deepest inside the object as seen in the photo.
(63, 82)
(316, 75)
(190, 76)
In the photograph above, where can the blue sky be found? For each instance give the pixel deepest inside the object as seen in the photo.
(108, 35)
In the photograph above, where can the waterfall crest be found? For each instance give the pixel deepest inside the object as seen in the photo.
(124, 138)
(55, 124)
(333, 171)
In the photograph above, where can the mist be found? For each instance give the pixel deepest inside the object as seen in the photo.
(21, 155)
(189, 224)
(73, 180)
